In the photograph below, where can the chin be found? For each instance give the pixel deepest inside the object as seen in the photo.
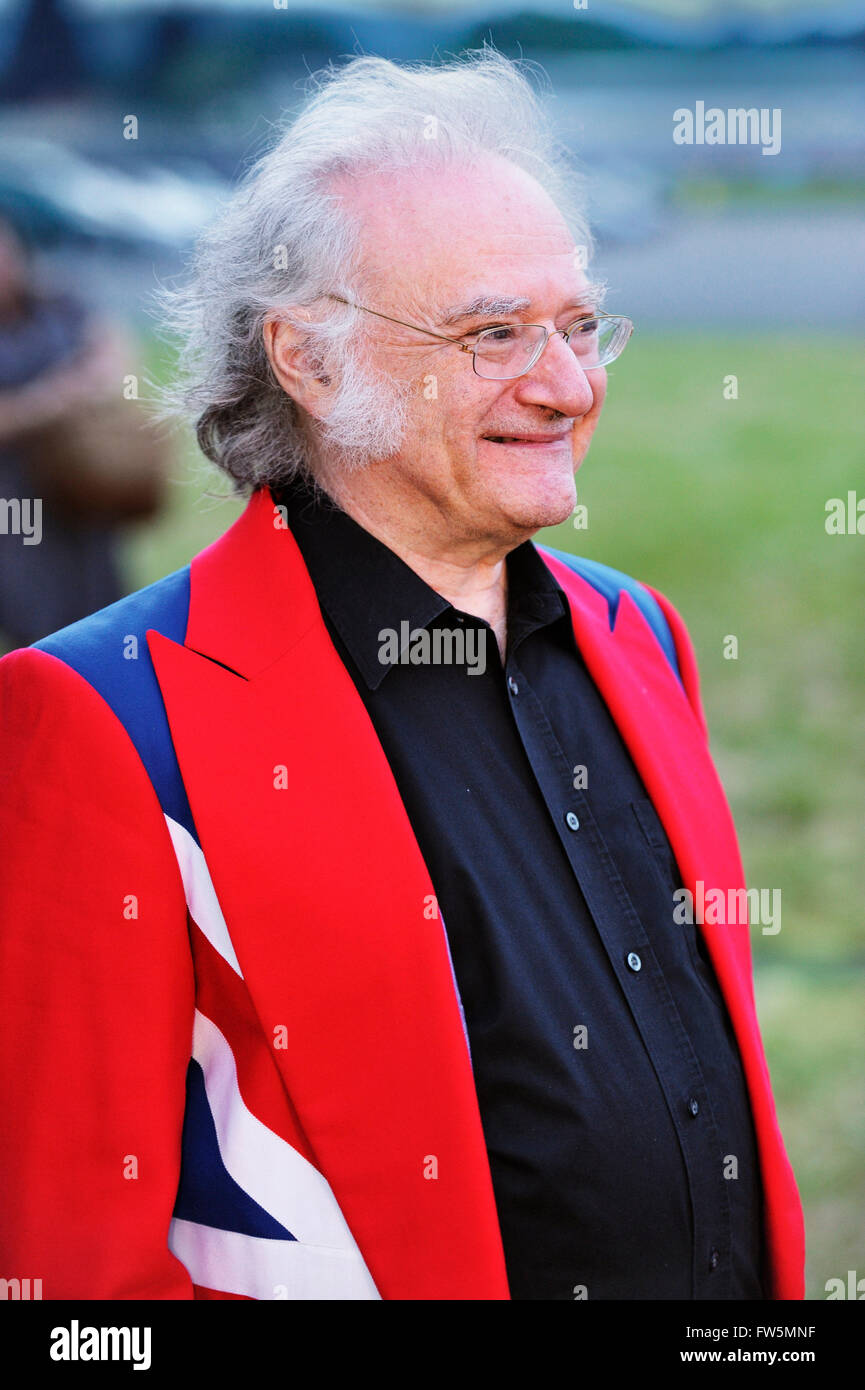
(548, 502)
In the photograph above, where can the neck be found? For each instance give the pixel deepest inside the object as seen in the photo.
(470, 573)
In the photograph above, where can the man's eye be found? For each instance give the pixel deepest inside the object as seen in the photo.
(586, 326)
(499, 333)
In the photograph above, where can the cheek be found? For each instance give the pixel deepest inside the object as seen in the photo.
(598, 383)
(461, 415)
(444, 421)
(443, 400)
(427, 416)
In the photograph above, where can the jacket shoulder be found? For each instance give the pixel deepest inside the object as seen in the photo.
(610, 584)
(108, 649)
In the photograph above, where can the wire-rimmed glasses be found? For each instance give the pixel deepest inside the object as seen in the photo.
(509, 350)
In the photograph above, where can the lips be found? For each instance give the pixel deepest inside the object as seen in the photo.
(525, 438)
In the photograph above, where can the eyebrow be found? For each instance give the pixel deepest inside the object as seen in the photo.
(500, 306)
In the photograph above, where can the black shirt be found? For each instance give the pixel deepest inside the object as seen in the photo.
(610, 1087)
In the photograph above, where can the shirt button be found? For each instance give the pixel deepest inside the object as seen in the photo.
(634, 961)
(694, 1106)
(572, 821)
(512, 686)
(714, 1259)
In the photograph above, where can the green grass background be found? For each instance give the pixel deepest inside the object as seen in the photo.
(720, 504)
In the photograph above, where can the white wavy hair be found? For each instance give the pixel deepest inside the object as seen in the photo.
(284, 240)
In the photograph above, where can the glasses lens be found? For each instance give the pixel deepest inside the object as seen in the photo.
(511, 349)
(599, 341)
(508, 350)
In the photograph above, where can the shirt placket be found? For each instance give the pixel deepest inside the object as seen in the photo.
(641, 979)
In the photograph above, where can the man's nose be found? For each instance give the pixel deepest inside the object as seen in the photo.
(557, 380)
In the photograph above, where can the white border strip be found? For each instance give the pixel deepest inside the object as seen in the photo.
(281, 1181)
(200, 894)
(267, 1269)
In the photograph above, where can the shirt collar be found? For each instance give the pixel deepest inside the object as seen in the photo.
(364, 587)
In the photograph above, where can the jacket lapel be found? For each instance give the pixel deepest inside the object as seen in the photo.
(328, 903)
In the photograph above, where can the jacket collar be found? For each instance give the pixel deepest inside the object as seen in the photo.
(336, 550)
(237, 615)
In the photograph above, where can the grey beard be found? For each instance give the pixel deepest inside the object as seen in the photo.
(369, 418)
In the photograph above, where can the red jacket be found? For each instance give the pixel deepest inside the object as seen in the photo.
(231, 1037)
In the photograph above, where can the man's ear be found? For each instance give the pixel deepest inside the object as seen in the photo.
(294, 365)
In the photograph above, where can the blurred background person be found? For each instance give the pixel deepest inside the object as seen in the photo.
(72, 444)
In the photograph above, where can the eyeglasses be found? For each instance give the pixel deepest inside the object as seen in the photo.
(509, 350)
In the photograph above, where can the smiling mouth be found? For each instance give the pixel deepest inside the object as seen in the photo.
(526, 439)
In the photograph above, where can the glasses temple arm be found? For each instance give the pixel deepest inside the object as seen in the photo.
(401, 322)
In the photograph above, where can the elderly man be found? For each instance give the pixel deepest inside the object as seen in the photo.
(340, 916)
